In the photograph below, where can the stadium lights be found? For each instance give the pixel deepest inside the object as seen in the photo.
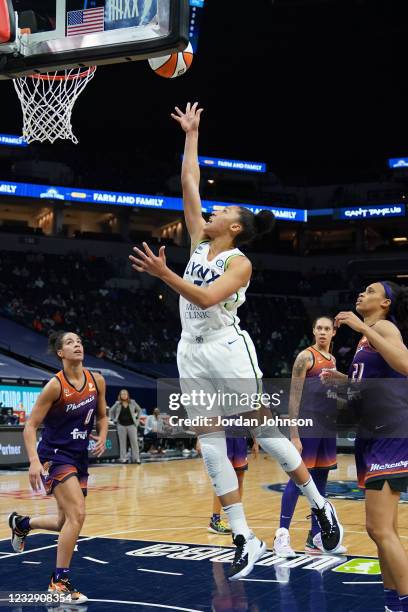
(400, 239)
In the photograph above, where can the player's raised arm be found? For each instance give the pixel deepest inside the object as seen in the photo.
(190, 172)
(236, 276)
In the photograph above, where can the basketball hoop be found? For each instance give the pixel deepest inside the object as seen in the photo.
(47, 101)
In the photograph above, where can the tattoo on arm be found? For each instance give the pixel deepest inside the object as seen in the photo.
(302, 363)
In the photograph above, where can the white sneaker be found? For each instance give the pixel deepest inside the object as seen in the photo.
(281, 544)
(247, 554)
(317, 542)
(18, 536)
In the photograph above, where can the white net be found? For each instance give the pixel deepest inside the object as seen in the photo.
(47, 101)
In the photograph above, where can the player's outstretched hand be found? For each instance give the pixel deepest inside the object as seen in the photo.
(350, 319)
(190, 120)
(147, 261)
(328, 376)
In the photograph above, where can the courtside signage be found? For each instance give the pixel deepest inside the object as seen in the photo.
(113, 198)
(19, 397)
(398, 162)
(11, 140)
(231, 164)
(371, 212)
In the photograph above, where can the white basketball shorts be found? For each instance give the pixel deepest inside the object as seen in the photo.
(221, 369)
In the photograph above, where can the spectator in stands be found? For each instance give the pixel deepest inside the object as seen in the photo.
(125, 413)
(154, 426)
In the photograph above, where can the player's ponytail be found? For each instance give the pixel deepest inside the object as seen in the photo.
(254, 226)
(55, 342)
(398, 311)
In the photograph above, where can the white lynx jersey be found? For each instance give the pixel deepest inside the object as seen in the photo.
(200, 271)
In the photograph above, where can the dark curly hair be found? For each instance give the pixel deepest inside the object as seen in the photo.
(56, 341)
(253, 225)
(398, 311)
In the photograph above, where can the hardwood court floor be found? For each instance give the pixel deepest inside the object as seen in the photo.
(171, 502)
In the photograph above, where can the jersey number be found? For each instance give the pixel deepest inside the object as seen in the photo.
(357, 371)
(88, 416)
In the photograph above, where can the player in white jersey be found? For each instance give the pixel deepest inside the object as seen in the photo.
(215, 353)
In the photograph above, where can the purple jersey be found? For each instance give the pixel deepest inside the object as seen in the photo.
(382, 405)
(381, 446)
(69, 422)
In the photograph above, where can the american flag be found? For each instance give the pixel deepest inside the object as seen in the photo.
(86, 21)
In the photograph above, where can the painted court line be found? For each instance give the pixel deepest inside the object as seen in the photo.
(33, 562)
(27, 552)
(256, 580)
(96, 560)
(371, 582)
(141, 569)
(145, 603)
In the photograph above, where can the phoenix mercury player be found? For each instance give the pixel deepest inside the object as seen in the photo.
(67, 407)
(380, 366)
(313, 400)
(213, 348)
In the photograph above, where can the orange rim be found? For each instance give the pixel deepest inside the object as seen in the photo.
(61, 77)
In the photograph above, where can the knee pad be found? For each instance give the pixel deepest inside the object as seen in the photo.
(219, 467)
(283, 451)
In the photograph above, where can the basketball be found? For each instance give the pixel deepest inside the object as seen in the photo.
(174, 65)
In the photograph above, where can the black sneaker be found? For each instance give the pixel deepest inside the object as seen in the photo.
(331, 529)
(247, 554)
(18, 535)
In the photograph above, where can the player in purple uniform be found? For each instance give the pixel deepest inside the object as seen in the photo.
(380, 366)
(67, 407)
(310, 398)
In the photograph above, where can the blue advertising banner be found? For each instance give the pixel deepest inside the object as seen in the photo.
(371, 212)
(113, 198)
(398, 162)
(231, 164)
(19, 397)
(11, 140)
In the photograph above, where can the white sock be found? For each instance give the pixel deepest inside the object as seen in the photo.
(237, 521)
(310, 491)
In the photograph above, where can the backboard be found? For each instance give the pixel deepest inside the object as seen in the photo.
(53, 34)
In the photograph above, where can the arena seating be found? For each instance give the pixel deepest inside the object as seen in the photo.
(45, 292)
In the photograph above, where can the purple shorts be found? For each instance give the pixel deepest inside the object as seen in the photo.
(55, 473)
(237, 450)
(319, 453)
(381, 458)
